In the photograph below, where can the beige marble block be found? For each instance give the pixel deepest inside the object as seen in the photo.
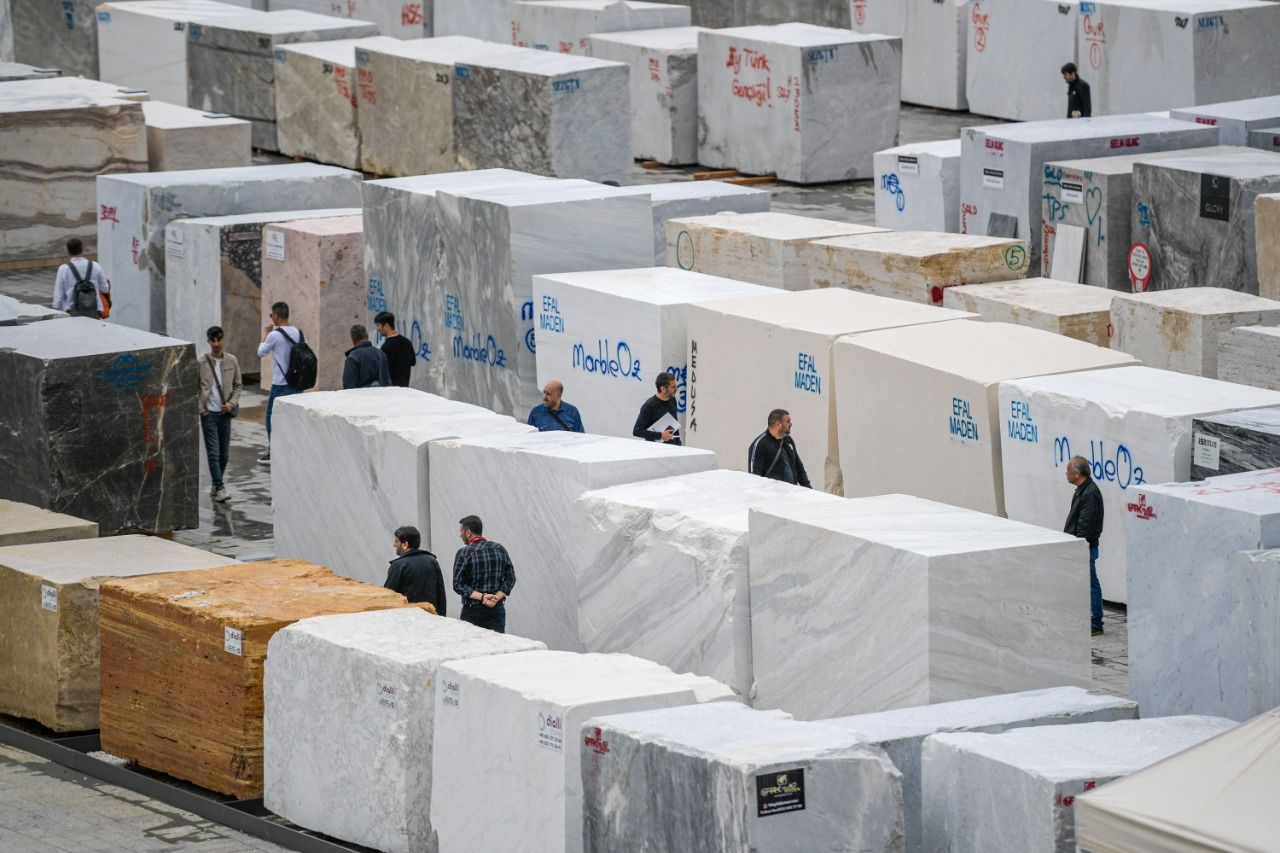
(1079, 311)
(24, 524)
(182, 138)
(1266, 216)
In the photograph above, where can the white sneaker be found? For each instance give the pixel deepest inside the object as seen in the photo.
(222, 495)
(265, 458)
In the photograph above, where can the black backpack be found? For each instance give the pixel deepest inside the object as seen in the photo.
(302, 363)
(84, 296)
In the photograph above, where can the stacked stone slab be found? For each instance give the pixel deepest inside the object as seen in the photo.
(1248, 355)
(939, 381)
(24, 524)
(66, 31)
(102, 424)
(530, 708)
(934, 46)
(183, 656)
(49, 648)
(683, 199)
(1235, 120)
(1007, 74)
(134, 210)
(383, 666)
(1180, 329)
(376, 475)
(1133, 426)
(764, 248)
(565, 26)
(16, 313)
(1267, 226)
(917, 186)
(809, 104)
(841, 793)
(1235, 442)
(1074, 310)
(400, 19)
(179, 138)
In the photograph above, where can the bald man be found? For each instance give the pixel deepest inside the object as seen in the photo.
(555, 413)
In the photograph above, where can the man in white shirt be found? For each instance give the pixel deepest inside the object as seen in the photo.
(220, 386)
(79, 270)
(278, 340)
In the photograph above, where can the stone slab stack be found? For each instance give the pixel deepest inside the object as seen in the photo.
(1235, 442)
(1248, 355)
(1267, 227)
(1006, 72)
(1074, 310)
(14, 312)
(917, 186)
(24, 524)
(179, 138)
(684, 199)
(565, 26)
(183, 657)
(1236, 120)
(102, 424)
(934, 46)
(66, 31)
(400, 19)
(49, 654)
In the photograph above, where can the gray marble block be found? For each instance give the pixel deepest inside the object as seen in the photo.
(683, 199)
(16, 313)
(1235, 442)
(1235, 120)
(11, 71)
(1268, 139)
(1258, 578)
(1249, 355)
(58, 32)
(102, 423)
(746, 781)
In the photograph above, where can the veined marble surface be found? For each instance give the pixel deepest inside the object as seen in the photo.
(684, 199)
(1249, 354)
(1237, 442)
(62, 33)
(917, 186)
(1077, 311)
(1266, 213)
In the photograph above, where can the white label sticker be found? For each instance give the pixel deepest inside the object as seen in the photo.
(908, 165)
(386, 695)
(1206, 451)
(551, 731)
(173, 243)
(233, 641)
(275, 245)
(451, 692)
(49, 597)
(1072, 193)
(993, 179)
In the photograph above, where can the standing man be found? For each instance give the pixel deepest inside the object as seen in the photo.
(415, 573)
(220, 386)
(660, 407)
(773, 454)
(554, 413)
(81, 289)
(278, 340)
(483, 576)
(1079, 102)
(397, 348)
(366, 365)
(1084, 520)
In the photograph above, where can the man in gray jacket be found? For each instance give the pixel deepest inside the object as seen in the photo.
(220, 386)
(1084, 520)
(366, 365)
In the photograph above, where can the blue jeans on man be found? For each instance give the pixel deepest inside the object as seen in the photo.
(277, 391)
(1095, 590)
(216, 427)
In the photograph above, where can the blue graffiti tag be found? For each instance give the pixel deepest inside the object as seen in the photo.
(377, 299)
(1053, 176)
(485, 352)
(1117, 468)
(682, 381)
(890, 184)
(612, 360)
(1057, 209)
(125, 373)
(1144, 213)
(1093, 207)
(419, 341)
(530, 336)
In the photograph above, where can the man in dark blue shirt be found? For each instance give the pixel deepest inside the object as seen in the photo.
(483, 576)
(554, 413)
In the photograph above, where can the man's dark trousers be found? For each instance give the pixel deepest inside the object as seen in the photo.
(216, 427)
(493, 618)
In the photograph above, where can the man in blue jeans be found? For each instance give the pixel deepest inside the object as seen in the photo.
(278, 340)
(220, 387)
(1084, 520)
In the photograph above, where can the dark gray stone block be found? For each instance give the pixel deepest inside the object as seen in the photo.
(1236, 442)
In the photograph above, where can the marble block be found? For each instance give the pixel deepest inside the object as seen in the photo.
(564, 26)
(824, 13)
(24, 524)
(902, 732)
(1235, 442)
(934, 46)
(144, 44)
(49, 643)
(664, 89)
(1186, 633)
(750, 356)
(54, 140)
(917, 186)
(1268, 139)
(1074, 310)
(918, 266)
(1200, 229)
(1266, 210)
(814, 111)
(1013, 792)
(213, 277)
(951, 604)
(764, 248)
(399, 19)
(179, 138)
(1002, 166)
(133, 211)
(607, 334)
(6, 32)
(534, 515)
(841, 794)
(481, 290)
(684, 199)
(940, 381)
(89, 385)
(1180, 329)
(375, 477)
(1133, 425)
(12, 71)
(65, 32)
(381, 668)
(530, 708)
(489, 20)
(231, 62)
(1258, 581)
(1006, 72)
(546, 113)
(16, 313)
(1235, 120)
(692, 531)
(316, 265)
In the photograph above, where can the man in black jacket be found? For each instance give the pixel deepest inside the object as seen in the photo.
(773, 454)
(366, 365)
(1079, 101)
(1084, 520)
(657, 408)
(415, 574)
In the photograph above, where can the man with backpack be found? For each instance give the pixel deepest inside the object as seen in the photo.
(81, 288)
(366, 365)
(293, 363)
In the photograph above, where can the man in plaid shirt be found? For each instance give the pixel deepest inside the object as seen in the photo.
(483, 576)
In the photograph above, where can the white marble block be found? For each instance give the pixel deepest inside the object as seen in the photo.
(1235, 120)
(1013, 792)
(62, 33)
(1180, 329)
(1257, 578)
(664, 89)
(529, 708)
(1132, 424)
(179, 138)
(809, 104)
(1002, 166)
(381, 667)
(1074, 310)
(684, 199)
(942, 439)
(607, 334)
(1266, 210)
(934, 46)
(14, 312)
(750, 356)
(533, 515)
(1249, 355)
(663, 780)
(692, 532)
(564, 26)
(917, 186)
(375, 477)
(483, 19)
(1186, 624)
(1007, 72)
(901, 733)
(133, 211)
(14, 71)
(1268, 139)
(399, 19)
(764, 248)
(879, 603)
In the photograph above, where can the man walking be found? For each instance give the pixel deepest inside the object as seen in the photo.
(773, 453)
(220, 386)
(415, 573)
(278, 341)
(1084, 520)
(660, 410)
(483, 576)
(81, 289)
(366, 365)
(397, 348)
(554, 413)
(1079, 102)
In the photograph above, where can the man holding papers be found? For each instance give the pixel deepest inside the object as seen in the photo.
(657, 420)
